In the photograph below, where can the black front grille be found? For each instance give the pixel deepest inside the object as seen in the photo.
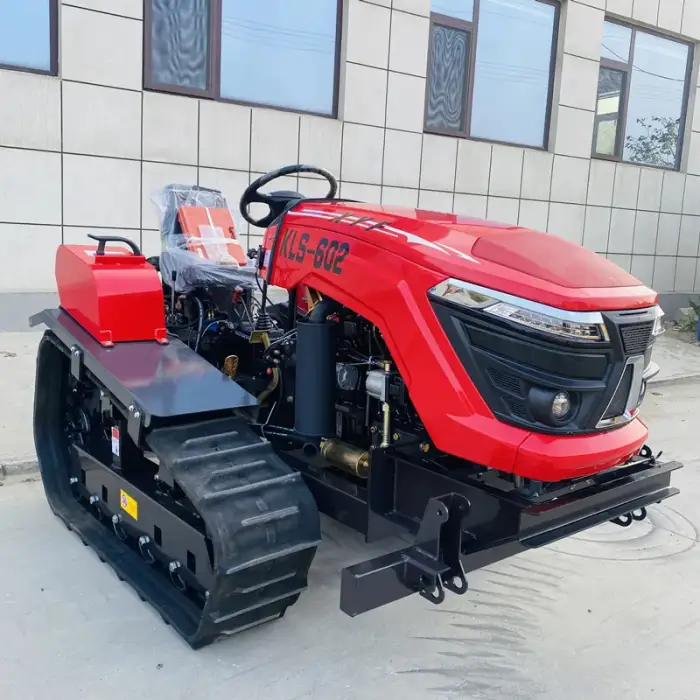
(636, 337)
(506, 382)
(619, 400)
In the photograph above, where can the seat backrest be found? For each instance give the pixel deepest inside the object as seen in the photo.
(209, 233)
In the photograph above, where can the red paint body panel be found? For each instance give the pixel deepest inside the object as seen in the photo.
(385, 277)
(116, 297)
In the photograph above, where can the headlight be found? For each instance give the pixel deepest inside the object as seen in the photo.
(575, 325)
(658, 324)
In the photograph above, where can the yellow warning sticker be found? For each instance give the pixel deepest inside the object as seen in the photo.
(129, 504)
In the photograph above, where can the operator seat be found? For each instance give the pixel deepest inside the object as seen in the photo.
(199, 243)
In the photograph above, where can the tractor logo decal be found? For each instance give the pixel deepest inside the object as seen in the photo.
(381, 227)
(328, 254)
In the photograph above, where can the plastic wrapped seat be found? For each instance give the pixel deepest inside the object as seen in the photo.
(199, 246)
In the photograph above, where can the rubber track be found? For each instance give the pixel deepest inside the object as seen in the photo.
(261, 518)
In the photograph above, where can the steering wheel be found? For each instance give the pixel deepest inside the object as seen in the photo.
(277, 201)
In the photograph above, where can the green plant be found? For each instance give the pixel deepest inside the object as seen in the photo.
(691, 324)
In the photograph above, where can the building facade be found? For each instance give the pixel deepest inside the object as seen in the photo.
(574, 117)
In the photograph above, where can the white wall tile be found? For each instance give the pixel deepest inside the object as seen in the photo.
(691, 197)
(30, 186)
(693, 164)
(310, 185)
(170, 124)
(506, 171)
(400, 197)
(597, 228)
(101, 121)
(362, 154)
(646, 229)
(320, 141)
(623, 261)
(275, 139)
(685, 274)
(623, 8)
(30, 111)
(473, 167)
(646, 11)
(402, 158)
(601, 181)
(102, 49)
(621, 231)
(574, 132)
(101, 192)
(362, 193)
(664, 274)
(672, 192)
(405, 102)
(696, 287)
(503, 210)
(626, 190)
(533, 214)
(150, 242)
(650, 186)
(696, 109)
(583, 32)
(670, 15)
(537, 175)
(365, 94)
(438, 163)
(691, 20)
(689, 236)
(435, 201)
(126, 8)
(368, 34)
(224, 135)
(156, 176)
(471, 205)
(409, 43)
(569, 180)
(30, 268)
(418, 7)
(579, 82)
(669, 232)
(566, 221)
(643, 268)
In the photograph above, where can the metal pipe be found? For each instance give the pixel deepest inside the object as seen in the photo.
(386, 408)
(348, 457)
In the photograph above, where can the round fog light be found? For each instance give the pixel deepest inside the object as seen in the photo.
(561, 405)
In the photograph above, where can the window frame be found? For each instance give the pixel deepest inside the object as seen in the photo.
(473, 29)
(53, 48)
(213, 89)
(626, 70)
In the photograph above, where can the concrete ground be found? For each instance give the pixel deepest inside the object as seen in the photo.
(612, 614)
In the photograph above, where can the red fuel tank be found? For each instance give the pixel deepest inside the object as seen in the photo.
(112, 292)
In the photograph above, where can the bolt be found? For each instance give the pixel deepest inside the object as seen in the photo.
(94, 500)
(73, 480)
(424, 447)
(396, 436)
(373, 429)
(174, 566)
(144, 539)
(137, 415)
(116, 519)
(290, 399)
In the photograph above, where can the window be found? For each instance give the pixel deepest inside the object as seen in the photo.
(642, 97)
(274, 53)
(29, 35)
(490, 68)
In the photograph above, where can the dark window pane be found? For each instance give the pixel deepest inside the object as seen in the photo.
(608, 111)
(656, 100)
(280, 53)
(460, 9)
(512, 76)
(25, 34)
(616, 42)
(180, 43)
(447, 78)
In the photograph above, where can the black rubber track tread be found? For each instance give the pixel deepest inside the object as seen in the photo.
(262, 520)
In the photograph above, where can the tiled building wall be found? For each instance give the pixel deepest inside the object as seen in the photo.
(86, 150)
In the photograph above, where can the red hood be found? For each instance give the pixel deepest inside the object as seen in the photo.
(538, 266)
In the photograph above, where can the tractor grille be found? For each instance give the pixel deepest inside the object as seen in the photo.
(635, 338)
(619, 400)
(506, 382)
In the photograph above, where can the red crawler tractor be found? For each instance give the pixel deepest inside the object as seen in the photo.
(474, 385)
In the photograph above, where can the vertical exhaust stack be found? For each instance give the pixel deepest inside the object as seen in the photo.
(314, 407)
